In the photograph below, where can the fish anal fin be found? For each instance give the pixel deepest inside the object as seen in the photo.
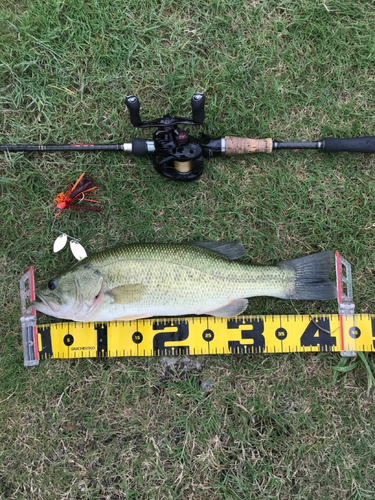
(231, 309)
(126, 294)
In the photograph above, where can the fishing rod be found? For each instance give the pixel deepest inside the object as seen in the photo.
(179, 156)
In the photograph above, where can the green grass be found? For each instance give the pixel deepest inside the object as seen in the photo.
(271, 426)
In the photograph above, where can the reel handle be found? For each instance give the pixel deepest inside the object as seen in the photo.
(134, 106)
(167, 121)
(197, 106)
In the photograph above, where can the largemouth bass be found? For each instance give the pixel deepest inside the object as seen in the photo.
(145, 280)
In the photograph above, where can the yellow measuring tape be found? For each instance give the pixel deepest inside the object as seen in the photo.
(207, 335)
(345, 332)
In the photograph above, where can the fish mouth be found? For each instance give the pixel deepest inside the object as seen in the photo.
(44, 306)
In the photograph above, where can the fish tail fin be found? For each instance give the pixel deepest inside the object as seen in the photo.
(312, 276)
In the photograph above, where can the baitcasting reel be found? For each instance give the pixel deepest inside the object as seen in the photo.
(175, 155)
(178, 156)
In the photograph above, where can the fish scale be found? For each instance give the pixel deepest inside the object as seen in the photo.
(144, 280)
(174, 268)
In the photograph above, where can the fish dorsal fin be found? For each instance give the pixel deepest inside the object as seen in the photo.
(234, 308)
(126, 294)
(231, 250)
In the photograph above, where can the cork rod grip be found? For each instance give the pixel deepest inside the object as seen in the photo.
(239, 146)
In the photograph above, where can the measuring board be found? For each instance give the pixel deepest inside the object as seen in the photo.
(344, 332)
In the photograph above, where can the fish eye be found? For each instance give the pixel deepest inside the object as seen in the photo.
(52, 284)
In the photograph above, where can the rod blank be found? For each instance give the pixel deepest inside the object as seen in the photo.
(64, 147)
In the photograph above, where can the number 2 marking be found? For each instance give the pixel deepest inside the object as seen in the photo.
(181, 333)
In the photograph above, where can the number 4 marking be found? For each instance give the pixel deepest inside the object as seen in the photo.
(318, 332)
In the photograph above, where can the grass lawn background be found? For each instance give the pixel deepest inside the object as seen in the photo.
(270, 426)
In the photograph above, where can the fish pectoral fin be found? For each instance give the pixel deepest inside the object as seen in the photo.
(231, 309)
(125, 294)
